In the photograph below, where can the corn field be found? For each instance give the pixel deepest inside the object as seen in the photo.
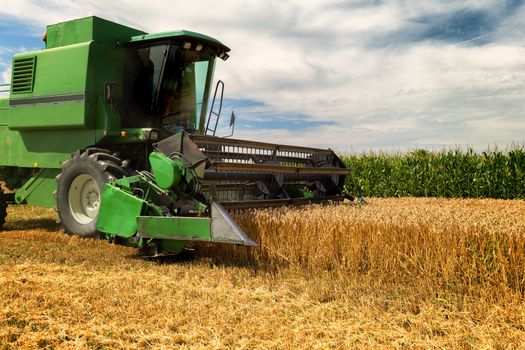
(446, 173)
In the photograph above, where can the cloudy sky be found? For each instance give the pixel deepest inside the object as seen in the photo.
(352, 75)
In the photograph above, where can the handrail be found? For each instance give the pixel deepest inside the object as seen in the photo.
(220, 84)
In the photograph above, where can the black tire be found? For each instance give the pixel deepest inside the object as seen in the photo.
(86, 172)
(3, 208)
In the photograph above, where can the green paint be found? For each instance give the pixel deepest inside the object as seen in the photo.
(118, 212)
(65, 110)
(167, 172)
(127, 220)
(58, 71)
(88, 29)
(308, 194)
(39, 189)
(49, 116)
(178, 228)
(42, 149)
(171, 246)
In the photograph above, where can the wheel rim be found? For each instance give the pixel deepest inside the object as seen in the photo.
(84, 199)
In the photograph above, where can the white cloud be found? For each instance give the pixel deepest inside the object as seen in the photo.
(5, 74)
(362, 66)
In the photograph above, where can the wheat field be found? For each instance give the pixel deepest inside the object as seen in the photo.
(395, 274)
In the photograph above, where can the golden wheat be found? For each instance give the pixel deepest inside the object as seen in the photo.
(447, 242)
(398, 273)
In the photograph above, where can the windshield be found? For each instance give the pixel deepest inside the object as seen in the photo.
(168, 85)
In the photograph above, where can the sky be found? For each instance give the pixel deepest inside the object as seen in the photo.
(350, 75)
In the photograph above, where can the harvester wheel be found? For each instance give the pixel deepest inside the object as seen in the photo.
(3, 208)
(80, 186)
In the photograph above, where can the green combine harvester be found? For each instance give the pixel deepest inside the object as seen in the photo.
(115, 128)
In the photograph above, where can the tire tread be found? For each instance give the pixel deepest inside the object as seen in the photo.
(105, 162)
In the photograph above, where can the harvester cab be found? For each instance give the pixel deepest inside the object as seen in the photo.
(114, 128)
(167, 80)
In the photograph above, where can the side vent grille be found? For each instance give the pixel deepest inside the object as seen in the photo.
(23, 75)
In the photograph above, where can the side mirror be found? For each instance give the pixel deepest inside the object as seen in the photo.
(232, 124)
(110, 92)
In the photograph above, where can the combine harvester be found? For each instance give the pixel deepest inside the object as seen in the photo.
(110, 126)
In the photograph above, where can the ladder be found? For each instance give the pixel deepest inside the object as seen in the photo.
(216, 115)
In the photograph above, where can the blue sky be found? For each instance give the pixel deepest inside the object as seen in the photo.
(351, 75)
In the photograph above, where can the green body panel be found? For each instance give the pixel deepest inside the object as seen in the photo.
(178, 228)
(66, 108)
(68, 89)
(88, 29)
(4, 111)
(58, 71)
(50, 116)
(121, 222)
(42, 149)
(139, 222)
(39, 189)
(169, 246)
(167, 172)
